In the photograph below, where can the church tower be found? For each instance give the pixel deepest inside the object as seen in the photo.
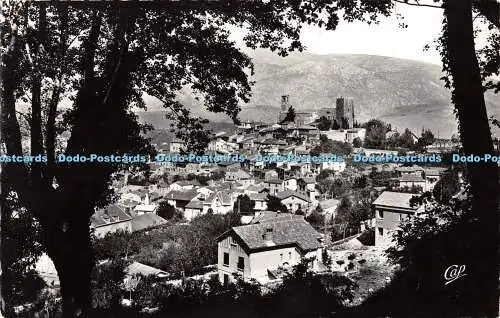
(284, 103)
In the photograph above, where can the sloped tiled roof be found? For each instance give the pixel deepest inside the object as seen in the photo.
(255, 187)
(238, 173)
(271, 216)
(275, 181)
(257, 196)
(284, 233)
(181, 195)
(225, 197)
(395, 199)
(195, 204)
(411, 178)
(112, 214)
(146, 207)
(184, 183)
(308, 180)
(138, 268)
(288, 193)
(147, 220)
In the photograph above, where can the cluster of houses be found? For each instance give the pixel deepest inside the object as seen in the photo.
(416, 176)
(268, 242)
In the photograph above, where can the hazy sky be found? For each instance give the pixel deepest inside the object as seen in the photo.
(386, 38)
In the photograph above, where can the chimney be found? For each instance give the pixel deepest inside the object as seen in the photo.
(268, 236)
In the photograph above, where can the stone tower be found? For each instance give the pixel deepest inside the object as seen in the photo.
(344, 112)
(284, 103)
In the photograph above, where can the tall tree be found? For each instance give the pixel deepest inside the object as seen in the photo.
(375, 134)
(290, 116)
(468, 74)
(243, 204)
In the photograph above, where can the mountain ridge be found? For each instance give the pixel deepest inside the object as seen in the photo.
(405, 93)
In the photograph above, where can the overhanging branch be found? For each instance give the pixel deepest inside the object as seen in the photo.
(490, 9)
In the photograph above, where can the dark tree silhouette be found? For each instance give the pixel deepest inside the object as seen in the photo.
(375, 134)
(243, 204)
(274, 204)
(357, 142)
(290, 116)
(103, 57)
(324, 123)
(335, 125)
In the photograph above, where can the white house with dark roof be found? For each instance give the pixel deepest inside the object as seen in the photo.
(182, 185)
(274, 185)
(390, 209)
(256, 251)
(307, 186)
(193, 209)
(294, 200)
(411, 170)
(412, 180)
(145, 208)
(179, 199)
(260, 200)
(221, 202)
(239, 175)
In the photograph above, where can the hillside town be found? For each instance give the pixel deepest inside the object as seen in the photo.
(256, 220)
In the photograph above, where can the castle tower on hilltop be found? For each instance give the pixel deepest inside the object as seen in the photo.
(344, 112)
(301, 117)
(285, 104)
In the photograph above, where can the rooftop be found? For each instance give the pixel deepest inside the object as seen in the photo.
(138, 268)
(111, 214)
(195, 204)
(257, 196)
(181, 195)
(275, 181)
(146, 207)
(144, 221)
(284, 233)
(395, 199)
(272, 216)
(289, 193)
(411, 178)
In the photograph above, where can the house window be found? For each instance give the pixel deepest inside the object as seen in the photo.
(241, 263)
(233, 243)
(381, 231)
(226, 259)
(400, 217)
(289, 256)
(281, 257)
(380, 214)
(226, 279)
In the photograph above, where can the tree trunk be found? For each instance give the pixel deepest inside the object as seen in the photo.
(69, 247)
(475, 134)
